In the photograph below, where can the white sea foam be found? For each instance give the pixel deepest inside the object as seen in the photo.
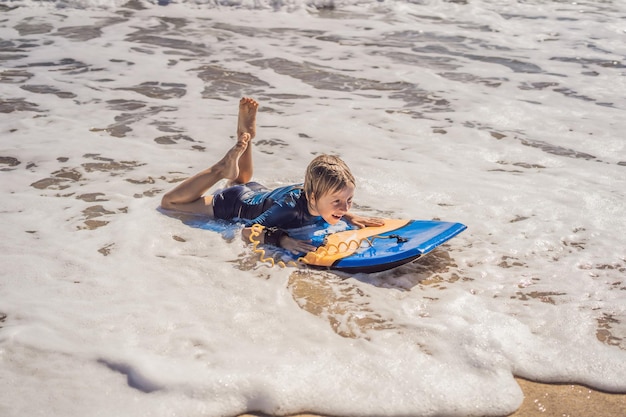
(507, 117)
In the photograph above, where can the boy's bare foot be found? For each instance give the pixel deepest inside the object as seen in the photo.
(246, 122)
(230, 162)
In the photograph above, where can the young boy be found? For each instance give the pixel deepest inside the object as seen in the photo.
(327, 192)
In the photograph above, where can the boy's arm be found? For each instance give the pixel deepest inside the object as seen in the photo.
(285, 242)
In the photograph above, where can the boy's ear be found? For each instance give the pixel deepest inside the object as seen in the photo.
(311, 197)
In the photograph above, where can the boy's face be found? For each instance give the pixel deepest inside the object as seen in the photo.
(332, 206)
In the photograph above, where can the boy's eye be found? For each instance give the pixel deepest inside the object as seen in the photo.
(338, 202)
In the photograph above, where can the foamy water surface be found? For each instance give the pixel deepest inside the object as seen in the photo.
(505, 116)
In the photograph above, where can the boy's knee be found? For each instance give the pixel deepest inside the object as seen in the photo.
(166, 202)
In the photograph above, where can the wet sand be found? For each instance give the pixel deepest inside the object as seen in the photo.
(567, 400)
(552, 400)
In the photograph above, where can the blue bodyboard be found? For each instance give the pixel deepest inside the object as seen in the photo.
(346, 248)
(375, 249)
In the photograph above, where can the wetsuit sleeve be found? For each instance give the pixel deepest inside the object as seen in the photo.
(276, 216)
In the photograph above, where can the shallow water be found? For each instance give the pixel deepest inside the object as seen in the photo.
(504, 116)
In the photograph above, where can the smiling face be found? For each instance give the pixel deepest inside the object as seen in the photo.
(328, 187)
(333, 205)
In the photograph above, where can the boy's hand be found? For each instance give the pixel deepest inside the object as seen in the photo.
(360, 221)
(295, 245)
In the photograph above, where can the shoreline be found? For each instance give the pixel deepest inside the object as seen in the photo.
(548, 400)
(565, 400)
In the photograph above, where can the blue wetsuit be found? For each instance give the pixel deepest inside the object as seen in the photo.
(251, 203)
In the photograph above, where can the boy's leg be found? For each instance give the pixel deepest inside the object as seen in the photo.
(246, 123)
(189, 197)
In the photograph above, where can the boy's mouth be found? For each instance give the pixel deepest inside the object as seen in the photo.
(336, 217)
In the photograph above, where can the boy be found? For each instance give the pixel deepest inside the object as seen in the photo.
(327, 192)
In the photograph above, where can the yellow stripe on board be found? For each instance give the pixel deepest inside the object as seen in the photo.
(343, 244)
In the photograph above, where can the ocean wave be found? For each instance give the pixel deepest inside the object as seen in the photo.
(205, 4)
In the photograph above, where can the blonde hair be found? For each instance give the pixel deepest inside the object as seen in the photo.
(326, 174)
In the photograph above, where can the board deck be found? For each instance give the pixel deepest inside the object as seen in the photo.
(375, 249)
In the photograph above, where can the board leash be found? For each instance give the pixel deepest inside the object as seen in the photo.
(321, 251)
(256, 231)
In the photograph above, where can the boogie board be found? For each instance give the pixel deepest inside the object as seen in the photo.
(344, 247)
(375, 249)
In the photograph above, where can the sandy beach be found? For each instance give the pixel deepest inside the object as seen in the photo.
(553, 400)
